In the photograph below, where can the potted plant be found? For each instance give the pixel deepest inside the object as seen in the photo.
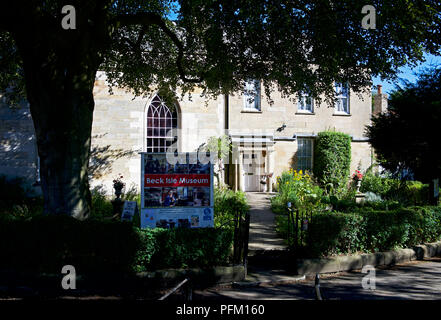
(357, 177)
(117, 204)
(264, 179)
(118, 185)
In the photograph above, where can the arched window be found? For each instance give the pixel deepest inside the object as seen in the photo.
(160, 119)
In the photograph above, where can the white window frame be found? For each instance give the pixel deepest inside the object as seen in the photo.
(251, 96)
(310, 157)
(157, 135)
(340, 96)
(302, 105)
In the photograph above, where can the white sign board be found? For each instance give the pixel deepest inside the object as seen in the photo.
(129, 210)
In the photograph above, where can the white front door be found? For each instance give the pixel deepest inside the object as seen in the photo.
(251, 171)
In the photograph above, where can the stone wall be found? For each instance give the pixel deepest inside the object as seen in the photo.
(18, 149)
(284, 111)
(118, 132)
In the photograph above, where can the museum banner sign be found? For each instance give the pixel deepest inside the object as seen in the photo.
(177, 180)
(176, 193)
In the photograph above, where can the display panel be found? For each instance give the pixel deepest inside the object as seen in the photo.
(176, 193)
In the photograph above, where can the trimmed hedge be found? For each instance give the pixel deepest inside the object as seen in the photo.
(47, 243)
(332, 160)
(373, 230)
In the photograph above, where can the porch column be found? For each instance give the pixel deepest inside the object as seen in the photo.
(240, 173)
(270, 167)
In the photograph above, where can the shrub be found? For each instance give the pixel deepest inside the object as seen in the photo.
(373, 230)
(408, 192)
(386, 230)
(332, 161)
(181, 248)
(372, 197)
(47, 243)
(335, 233)
(227, 204)
(132, 194)
(382, 186)
(16, 201)
(299, 189)
(101, 205)
(302, 192)
(416, 193)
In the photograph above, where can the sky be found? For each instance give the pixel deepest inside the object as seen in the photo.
(408, 73)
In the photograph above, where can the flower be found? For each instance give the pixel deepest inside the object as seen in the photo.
(357, 175)
(118, 183)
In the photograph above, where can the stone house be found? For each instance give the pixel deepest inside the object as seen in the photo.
(266, 138)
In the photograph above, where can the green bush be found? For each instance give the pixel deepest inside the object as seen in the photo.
(181, 248)
(46, 243)
(17, 201)
(101, 205)
(381, 186)
(335, 233)
(407, 192)
(303, 193)
(298, 188)
(373, 230)
(387, 230)
(332, 161)
(417, 193)
(345, 205)
(227, 204)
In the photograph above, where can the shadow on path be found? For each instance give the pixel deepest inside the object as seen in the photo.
(263, 234)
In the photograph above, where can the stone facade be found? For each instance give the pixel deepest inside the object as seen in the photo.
(270, 134)
(18, 149)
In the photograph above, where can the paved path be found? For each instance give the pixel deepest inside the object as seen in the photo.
(417, 280)
(262, 225)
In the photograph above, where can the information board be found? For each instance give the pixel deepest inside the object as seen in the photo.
(176, 191)
(129, 210)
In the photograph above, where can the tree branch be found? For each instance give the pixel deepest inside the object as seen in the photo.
(150, 18)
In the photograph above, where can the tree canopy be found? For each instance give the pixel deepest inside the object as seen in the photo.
(407, 136)
(217, 45)
(220, 44)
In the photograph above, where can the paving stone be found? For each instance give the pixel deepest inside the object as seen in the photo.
(263, 234)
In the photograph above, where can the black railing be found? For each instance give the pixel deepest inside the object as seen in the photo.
(241, 237)
(298, 224)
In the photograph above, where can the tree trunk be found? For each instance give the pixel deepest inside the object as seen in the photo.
(60, 93)
(63, 124)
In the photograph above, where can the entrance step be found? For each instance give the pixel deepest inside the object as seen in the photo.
(261, 278)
